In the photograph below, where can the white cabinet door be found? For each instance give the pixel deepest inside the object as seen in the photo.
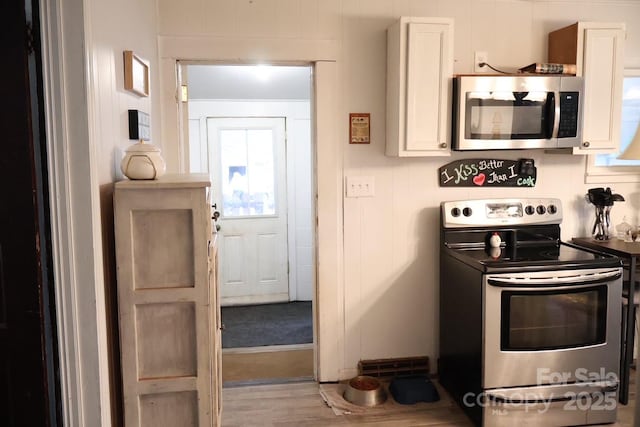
(602, 71)
(419, 71)
(597, 49)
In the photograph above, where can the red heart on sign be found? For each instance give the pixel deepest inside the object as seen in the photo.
(479, 179)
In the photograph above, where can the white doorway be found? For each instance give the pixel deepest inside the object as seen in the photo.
(252, 92)
(328, 182)
(248, 170)
(267, 240)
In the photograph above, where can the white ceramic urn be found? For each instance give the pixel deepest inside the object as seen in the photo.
(143, 161)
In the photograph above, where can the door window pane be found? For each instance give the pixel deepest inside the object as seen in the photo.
(248, 167)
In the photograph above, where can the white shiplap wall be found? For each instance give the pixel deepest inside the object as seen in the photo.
(110, 27)
(389, 299)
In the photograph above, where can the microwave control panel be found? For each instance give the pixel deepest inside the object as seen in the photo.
(568, 124)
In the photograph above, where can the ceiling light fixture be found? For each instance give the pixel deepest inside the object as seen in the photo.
(262, 72)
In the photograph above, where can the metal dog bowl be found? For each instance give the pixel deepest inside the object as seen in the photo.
(365, 391)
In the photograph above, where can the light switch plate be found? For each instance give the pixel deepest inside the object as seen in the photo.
(360, 186)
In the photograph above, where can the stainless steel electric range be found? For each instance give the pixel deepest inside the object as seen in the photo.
(529, 324)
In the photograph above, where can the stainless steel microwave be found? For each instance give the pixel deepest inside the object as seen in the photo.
(517, 112)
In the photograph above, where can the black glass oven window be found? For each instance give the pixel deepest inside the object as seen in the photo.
(551, 319)
(509, 115)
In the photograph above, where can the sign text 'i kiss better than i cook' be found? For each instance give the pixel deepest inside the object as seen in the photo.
(488, 173)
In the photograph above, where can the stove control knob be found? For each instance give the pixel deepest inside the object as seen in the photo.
(467, 211)
(552, 209)
(541, 209)
(530, 210)
(455, 212)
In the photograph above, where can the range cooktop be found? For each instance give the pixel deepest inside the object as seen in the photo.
(513, 234)
(551, 256)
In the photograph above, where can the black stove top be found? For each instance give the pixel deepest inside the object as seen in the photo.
(527, 231)
(560, 255)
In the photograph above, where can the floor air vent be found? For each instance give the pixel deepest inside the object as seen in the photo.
(404, 366)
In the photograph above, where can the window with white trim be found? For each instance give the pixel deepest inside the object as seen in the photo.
(607, 167)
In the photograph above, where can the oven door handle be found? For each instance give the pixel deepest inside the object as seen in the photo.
(554, 281)
(570, 396)
(502, 400)
(558, 393)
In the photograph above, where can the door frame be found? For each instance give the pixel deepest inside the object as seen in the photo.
(75, 216)
(322, 56)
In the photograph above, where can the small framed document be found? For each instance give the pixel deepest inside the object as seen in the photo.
(359, 128)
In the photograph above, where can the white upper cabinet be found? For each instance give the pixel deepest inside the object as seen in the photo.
(419, 72)
(597, 49)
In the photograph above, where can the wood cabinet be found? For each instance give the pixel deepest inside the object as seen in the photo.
(419, 81)
(167, 302)
(597, 49)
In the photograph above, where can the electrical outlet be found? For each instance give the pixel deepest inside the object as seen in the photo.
(360, 186)
(480, 56)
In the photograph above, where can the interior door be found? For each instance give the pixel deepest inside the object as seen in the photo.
(28, 385)
(248, 170)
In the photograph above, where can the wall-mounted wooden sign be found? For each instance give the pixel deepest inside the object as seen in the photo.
(488, 173)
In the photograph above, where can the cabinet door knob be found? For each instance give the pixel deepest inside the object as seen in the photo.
(443, 145)
(586, 144)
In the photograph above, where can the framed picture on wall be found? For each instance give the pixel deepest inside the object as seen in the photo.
(359, 128)
(136, 74)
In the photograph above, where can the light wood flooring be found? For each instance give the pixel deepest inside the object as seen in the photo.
(300, 404)
(275, 363)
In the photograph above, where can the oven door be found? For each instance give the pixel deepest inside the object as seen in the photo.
(551, 327)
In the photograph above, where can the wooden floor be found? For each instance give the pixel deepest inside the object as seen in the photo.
(267, 363)
(300, 404)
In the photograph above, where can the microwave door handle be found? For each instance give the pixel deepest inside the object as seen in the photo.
(555, 123)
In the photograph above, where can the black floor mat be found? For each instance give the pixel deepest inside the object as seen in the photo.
(268, 324)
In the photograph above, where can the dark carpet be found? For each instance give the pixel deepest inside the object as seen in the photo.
(267, 324)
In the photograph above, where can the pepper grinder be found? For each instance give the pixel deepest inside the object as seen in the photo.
(495, 240)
